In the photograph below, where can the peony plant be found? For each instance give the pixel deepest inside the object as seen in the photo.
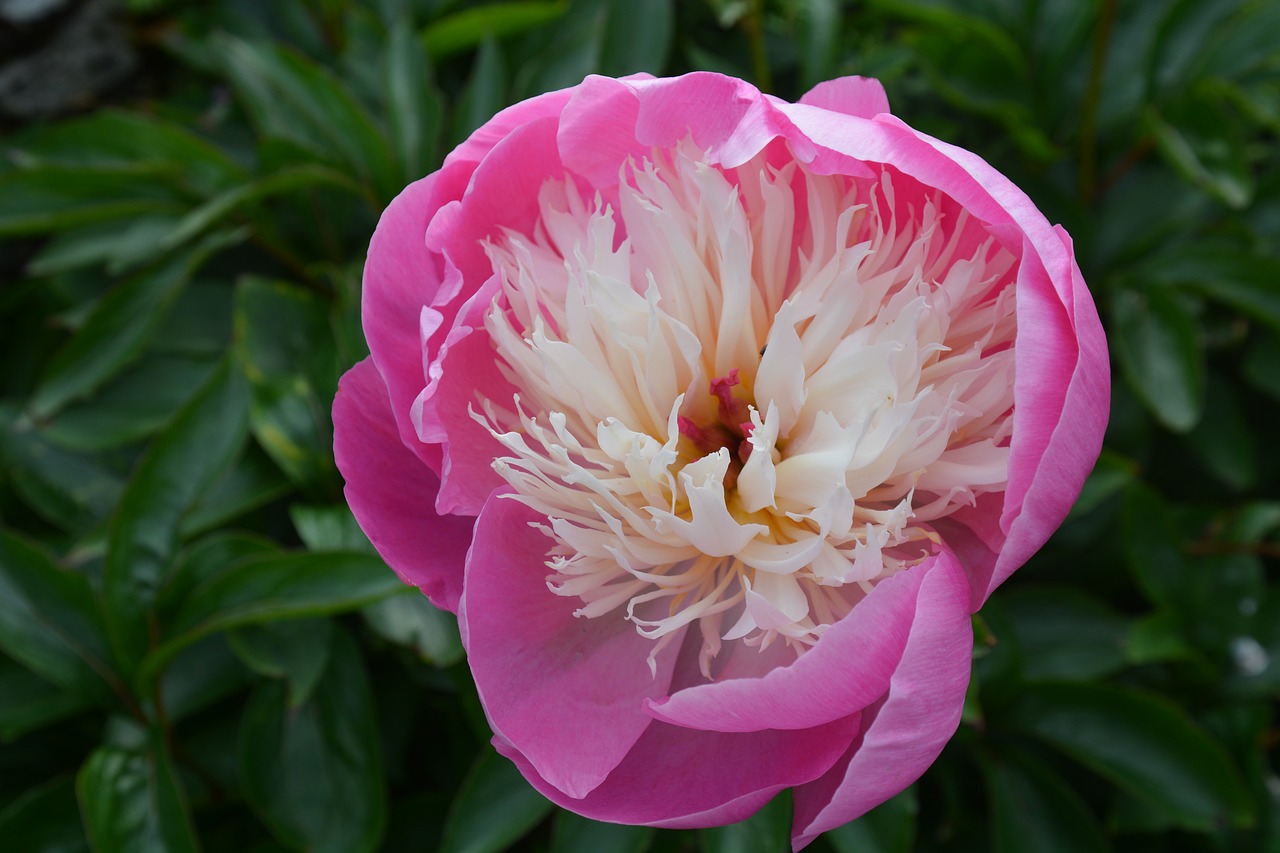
(714, 417)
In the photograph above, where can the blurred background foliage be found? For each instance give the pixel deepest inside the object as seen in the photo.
(198, 649)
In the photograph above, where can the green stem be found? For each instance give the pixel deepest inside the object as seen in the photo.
(753, 25)
(1088, 119)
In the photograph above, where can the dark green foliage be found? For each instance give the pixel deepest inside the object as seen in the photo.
(199, 649)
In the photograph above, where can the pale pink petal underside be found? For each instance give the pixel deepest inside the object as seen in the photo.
(917, 718)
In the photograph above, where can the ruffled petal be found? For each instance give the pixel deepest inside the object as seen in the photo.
(855, 96)
(469, 371)
(901, 738)
(400, 277)
(678, 777)
(848, 669)
(392, 493)
(568, 691)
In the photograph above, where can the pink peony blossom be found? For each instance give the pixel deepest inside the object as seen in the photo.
(714, 417)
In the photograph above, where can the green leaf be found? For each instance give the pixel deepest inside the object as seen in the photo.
(270, 588)
(115, 332)
(130, 407)
(819, 41)
(285, 344)
(1262, 364)
(1236, 277)
(314, 773)
(567, 52)
(134, 801)
(485, 92)
(1203, 143)
(1153, 548)
(1158, 344)
(45, 819)
(410, 620)
(465, 29)
(574, 834)
(1157, 637)
(1224, 438)
(888, 828)
(205, 559)
(766, 831)
(1065, 634)
(296, 651)
(1141, 743)
(73, 491)
(415, 111)
(329, 528)
(199, 323)
(122, 139)
(52, 197)
(30, 702)
(117, 244)
(202, 674)
(291, 180)
(633, 42)
(143, 538)
(494, 807)
(981, 68)
(288, 96)
(253, 481)
(49, 621)
(1033, 809)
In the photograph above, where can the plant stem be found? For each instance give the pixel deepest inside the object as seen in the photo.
(1088, 118)
(753, 25)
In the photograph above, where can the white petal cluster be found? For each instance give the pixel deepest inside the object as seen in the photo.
(851, 357)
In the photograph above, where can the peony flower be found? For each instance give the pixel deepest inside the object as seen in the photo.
(714, 417)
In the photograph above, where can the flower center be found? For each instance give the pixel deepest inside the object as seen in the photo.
(730, 429)
(745, 394)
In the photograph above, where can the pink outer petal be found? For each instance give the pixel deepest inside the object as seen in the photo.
(502, 193)
(856, 96)
(1050, 483)
(848, 669)
(682, 778)
(915, 721)
(392, 493)
(568, 691)
(400, 277)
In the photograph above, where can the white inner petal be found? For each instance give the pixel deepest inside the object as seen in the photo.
(731, 420)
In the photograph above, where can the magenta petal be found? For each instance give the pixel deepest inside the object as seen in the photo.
(855, 96)
(681, 778)
(400, 277)
(470, 368)
(567, 691)
(917, 718)
(848, 669)
(392, 493)
(502, 193)
(727, 117)
(1047, 476)
(598, 130)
